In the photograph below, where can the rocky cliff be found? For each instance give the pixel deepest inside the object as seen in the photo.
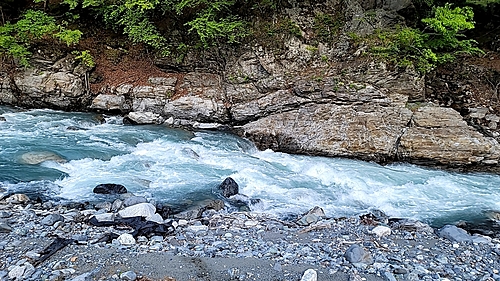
(324, 99)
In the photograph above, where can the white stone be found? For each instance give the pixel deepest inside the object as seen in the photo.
(155, 218)
(138, 210)
(196, 228)
(126, 239)
(309, 275)
(17, 272)
(18, 199)
(32, 255)
(145, 117)
(182, 222)
(381, 231)
(128, 276)
(251, 223)
(105, 217)
(88, 212)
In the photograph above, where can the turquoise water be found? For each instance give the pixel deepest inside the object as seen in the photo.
(180, 167)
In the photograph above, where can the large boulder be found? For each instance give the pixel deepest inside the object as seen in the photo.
(439, 135)
(107, 102)
(110, 188)
(139, 210)
(454, 234)
(228, 187)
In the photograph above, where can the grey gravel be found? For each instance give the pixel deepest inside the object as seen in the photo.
(242, 246)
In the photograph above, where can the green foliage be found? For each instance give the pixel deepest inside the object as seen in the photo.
(209, 25)
(439, 43)
(85, 57)
(15, 38)
(210, 20)
(68, 36)
(135, 23)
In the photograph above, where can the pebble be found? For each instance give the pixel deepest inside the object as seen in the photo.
(357, 254)
(126, 239)
(381, 231)
(52, 219)
(310, 275)
(128, 276)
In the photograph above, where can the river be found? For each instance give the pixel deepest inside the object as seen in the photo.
(180, 168)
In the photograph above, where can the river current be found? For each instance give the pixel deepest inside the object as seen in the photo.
(181, 168)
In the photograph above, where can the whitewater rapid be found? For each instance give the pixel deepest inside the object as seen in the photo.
(181, 168)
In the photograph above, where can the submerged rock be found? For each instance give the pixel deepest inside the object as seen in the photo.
(2, 119)
(110, 188)
(228, 187)
(75, 128)
(37, 157)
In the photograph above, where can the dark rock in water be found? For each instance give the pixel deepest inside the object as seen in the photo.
(100, 118)
(163, 210)
(2, 119)
(228, 187)
(197, 212)
(110, 188)
(128, 121)
(191, 153)
(357, 254)
(75, 128)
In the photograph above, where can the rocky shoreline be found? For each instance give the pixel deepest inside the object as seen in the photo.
(60, 241)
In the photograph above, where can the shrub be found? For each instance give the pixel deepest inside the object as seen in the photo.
(15, 38)
(438, 43)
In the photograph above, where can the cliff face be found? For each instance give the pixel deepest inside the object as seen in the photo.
(327, 99)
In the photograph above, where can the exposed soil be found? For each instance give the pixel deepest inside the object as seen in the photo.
(119, 62)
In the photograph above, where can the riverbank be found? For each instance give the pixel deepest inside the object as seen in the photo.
(235, 246)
